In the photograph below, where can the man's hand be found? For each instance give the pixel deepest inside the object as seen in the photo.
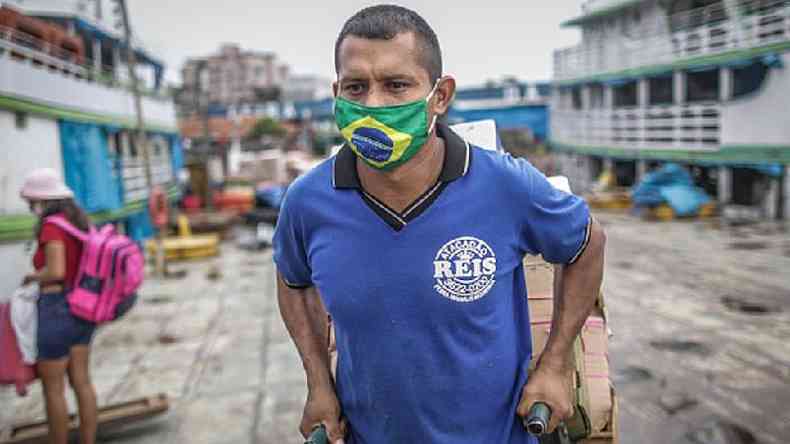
(322, 407)
(550, 385)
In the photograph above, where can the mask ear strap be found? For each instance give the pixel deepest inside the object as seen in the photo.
(428, 99)
(433, 90)
(433, 123)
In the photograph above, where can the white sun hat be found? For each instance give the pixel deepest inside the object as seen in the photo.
(45, 184)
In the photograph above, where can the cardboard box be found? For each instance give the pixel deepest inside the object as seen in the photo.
(592, 363)
(541, 309)
(540, 277)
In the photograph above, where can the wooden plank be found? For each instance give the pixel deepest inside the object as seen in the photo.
(109, 416)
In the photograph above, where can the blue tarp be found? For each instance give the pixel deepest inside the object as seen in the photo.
(671, 184)
(532, 117)
(88, 167)
(176, 154)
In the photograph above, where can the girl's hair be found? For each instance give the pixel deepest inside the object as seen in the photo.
(70, 210)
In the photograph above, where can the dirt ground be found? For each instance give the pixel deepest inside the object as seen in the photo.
(700, 352)
(700, 315)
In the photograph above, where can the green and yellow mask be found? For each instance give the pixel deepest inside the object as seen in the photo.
(385, 137)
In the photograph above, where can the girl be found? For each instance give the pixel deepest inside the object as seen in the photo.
(63, 339)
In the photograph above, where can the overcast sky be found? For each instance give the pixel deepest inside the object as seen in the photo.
(487, 41)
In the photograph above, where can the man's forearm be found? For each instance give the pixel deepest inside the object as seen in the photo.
(306, 320)
(576, 288)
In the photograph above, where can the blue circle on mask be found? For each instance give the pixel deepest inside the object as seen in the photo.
(373, 143)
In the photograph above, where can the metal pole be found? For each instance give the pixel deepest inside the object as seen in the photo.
(131, 63)
(141, 139)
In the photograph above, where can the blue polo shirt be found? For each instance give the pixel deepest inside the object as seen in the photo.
(429, 304)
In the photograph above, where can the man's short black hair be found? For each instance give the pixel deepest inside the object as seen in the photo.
(384, 22)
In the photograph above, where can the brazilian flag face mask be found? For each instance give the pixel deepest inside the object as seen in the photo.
(385, 137)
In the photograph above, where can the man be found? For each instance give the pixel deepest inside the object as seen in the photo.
(413, 242)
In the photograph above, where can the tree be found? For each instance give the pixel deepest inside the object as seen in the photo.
(266, 127)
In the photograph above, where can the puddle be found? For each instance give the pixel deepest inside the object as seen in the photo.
(681, 346)
(177, 274)
(254, 264)
(748, 245)
(159, 299)
(632, 374)
(167, 339)
(214, 273)
(676, 402)
(747, 307)
(721, 432)
(624, 265)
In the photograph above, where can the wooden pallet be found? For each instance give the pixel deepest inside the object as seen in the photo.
(109, 416)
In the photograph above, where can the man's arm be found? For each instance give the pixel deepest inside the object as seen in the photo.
(306, 320)
(576, 288)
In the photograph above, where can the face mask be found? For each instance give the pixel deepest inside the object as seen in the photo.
(385, 137)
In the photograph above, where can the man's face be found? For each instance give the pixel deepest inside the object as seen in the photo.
(375, 72)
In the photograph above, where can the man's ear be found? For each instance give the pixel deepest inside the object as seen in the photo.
(334, 88)
(445, 91)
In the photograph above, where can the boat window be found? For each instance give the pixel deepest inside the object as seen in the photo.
(660, 90)
(625, 94)
(702, 86)
(691, 14)
(596, 96)
(748, 79)
(20, 120)
(132, 146)
(576, 97)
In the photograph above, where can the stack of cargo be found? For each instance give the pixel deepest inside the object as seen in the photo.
(591, 385)
(235, 199)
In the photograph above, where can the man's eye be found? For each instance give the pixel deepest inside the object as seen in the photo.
(398, 85)
(354, 88)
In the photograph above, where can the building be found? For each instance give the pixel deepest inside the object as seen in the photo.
(302, 88)
(65, 103)
(701, 82)
(231, 77)
(512, 104)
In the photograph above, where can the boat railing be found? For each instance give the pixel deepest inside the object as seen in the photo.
(41, 54)
(704, 32)
(689, 126)
(22, 46)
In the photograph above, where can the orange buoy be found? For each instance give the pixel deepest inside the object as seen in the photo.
(158, 207)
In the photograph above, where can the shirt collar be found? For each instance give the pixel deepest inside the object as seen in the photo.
(457, 157)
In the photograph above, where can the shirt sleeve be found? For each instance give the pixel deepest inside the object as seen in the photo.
(49, 233)
(555, 224)
(290, 251)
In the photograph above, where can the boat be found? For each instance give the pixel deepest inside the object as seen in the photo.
(697, 82)
(66, 103)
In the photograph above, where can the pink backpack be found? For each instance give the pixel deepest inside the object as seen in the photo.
(13, 370)
(111, 270)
